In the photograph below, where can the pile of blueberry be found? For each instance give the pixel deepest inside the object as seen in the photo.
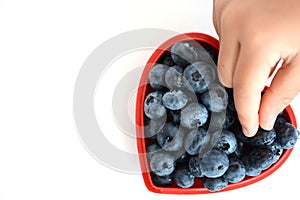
(191, 126)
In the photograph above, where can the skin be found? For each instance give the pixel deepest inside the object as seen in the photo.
(256, 35)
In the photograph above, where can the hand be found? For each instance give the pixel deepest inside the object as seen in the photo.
(254, 36)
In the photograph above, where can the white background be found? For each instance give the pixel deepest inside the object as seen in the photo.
(42, 47)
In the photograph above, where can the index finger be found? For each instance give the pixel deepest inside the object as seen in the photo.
(249, 79)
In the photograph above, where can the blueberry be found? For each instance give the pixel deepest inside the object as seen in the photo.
(263, 137)
(279, 123)
(240, 149)
(250, 171)
(236, 171)
(260, 158)
(175, 80)
(152, 149)
(225, 141)
(193, 115)
(162, 180)
(183, 53)
(194, 166)
(175, 100)
(214, 184)
(277, 151)
(154, 126)
(230, 119)
(178, 68)
(184, 178)
(171, 137)
(157, 76)
(162, 163)
(153, 107)
(167, 60)
(196, 141)
(214, 164)
(287, 136)
(200, 76)
(215, 98)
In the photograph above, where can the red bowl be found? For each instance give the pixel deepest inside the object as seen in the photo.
(145, 89)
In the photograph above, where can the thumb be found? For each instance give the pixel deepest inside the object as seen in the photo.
(284, 87)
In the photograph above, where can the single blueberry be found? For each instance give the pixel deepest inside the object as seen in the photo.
(236, 171)
(240, 149)
(277, 151)
(260, 158)
(178, 68)
(152, 149)
(166, 60)
(157, 76)
(215, 98)
(162, 163)
(162, 180)
(250, 171)
(263, 137)
(224, 141)
(230, 119)
(175, 80)
(194, 166)
(214, 184)
(171, 137)
(183, 53)
(200, 76)
(287, 136)
(175, 100)
(193, 115)
(153, 106)
(184, 178)
(214, 163)
(279, 123)
(196, 141)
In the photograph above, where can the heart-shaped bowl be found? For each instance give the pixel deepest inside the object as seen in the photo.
(212, 45)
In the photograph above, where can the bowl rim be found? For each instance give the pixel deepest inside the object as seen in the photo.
(141, 145)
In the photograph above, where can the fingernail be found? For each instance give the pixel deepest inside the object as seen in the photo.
(250, 132)
(245, 131)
